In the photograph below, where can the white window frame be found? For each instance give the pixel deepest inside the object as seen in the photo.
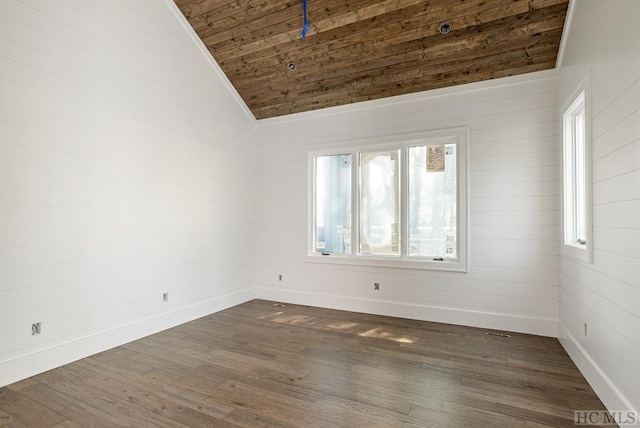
(403, 142)
(580, 99)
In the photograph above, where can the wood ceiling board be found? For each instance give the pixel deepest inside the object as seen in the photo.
(416, 81)
(428, 51)
(410, 22)
(365, 86)
(397, 66)
(358, 50)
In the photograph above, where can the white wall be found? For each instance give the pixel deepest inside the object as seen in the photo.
(512, 283)
(604, 38)
(126, 171)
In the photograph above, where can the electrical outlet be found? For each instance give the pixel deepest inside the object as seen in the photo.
(280, 277)
(165, 297)
(376, 286)
(36, 329)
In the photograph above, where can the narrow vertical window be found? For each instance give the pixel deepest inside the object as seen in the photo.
(580, 188)
(333, 204)
(574, 171)
(576, 177)
(379, 203)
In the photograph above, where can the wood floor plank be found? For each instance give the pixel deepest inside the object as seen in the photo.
(137, 392)
(29, 412)
(81, 386)
(536, 416)
(7, 420)
(68, 424)
(267, 364)
(76, 410)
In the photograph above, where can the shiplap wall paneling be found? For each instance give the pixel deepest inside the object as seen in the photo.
(513, 208)
(127, 171)
(605, 295)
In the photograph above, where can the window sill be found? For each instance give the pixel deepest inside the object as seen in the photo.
(579, 253)
(387, 262)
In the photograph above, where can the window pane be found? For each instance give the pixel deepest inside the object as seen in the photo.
(333, 204)
(379, 203)
(575, 174)
(580, 178)
(432, 206)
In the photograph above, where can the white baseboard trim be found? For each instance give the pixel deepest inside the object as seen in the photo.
(31, 364)
(489, 320)
(604, 388)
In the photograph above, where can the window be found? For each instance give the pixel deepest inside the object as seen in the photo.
(333, 204)
(379, 202)
(577, 176)
(400, 204)
(432, 220)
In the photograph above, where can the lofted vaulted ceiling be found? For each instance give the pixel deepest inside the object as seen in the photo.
(358, 50)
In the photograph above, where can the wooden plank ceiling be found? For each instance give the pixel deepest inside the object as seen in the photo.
(358, 50)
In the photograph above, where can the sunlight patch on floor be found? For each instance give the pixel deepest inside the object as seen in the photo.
(342, 325)
(280, 318)
(379, 333)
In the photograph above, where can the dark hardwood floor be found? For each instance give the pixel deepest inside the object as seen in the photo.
(263, 364)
